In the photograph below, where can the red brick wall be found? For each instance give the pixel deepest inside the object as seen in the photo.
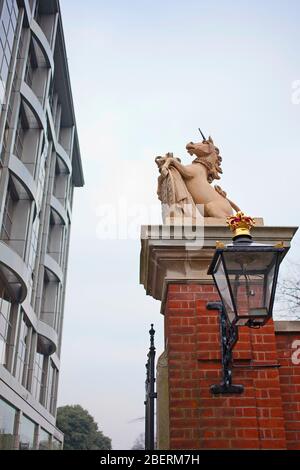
(289, 375)
(263, 416)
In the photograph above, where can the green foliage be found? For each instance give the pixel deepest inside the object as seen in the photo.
(80, 430)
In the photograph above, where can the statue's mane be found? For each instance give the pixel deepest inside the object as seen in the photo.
(212, 163)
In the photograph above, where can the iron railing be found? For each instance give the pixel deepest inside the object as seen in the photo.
(150, 394)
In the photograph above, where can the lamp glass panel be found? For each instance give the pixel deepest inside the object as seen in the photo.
(222, 284)
(269, 285)
(251, 275)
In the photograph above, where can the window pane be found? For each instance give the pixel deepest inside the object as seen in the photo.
(5, 16)
(56, 444)
(220, 278)
(7, 216)
(7, 421)
(27, 429)
(5, 328)
(44, 440)
(4, 70)
(22, 350)
(2, 90)
(38, 376)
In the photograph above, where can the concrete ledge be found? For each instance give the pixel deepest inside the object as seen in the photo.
(17, 167)
(59, 209)
(43, 43)
(286, 326)
(32, 101)
(42, 328)
(182, 254)
(53, 267)
(57, 147)
(15, 272)
(47, 332)
(63, 156)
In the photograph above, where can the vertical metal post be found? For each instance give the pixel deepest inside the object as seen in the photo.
(150, 394)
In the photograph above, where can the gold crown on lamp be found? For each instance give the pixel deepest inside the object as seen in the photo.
(240, 224)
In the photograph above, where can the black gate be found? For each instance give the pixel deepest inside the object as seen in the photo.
(150, 394)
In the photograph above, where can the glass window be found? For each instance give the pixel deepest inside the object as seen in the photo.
(7, 423)
(5, 327)
(71, 192)
(4, 69)
(9, 4)
(19, 139)
(32, 255)
(7, 33)
(56, 444)
(50, 402)
(5, 16)
(4, 145)
(27, 430)
(49, 386)
(61, 184)
(10, 36)
(29, 67)
(40, 373)
(7, 215)
(23, 347)
(51, 303)
(14, 15)
(2, 37)
(36, 10)
(37, 378)
(2, 90)
(54, 393)
(44, 440)
(58, 307)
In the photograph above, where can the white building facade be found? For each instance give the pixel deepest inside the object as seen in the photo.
(40, 165)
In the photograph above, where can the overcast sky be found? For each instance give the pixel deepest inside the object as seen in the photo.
(145, 76)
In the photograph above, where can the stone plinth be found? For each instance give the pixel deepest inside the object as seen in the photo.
(176, 254)
(266, 415)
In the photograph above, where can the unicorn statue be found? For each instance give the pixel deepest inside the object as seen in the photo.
(186, 191)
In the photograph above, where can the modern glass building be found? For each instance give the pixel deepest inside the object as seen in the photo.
(40, 165)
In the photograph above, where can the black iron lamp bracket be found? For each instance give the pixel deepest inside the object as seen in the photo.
(229, 337)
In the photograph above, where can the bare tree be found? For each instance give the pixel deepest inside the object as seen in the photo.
(139, 443)
(288, 294)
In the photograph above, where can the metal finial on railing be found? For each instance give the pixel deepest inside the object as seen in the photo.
(152, 333)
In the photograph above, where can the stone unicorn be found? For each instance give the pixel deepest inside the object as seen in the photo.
(182, 186)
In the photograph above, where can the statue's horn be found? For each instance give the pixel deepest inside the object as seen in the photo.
(201, 133)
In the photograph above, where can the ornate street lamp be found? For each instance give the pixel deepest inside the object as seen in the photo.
(245, 274)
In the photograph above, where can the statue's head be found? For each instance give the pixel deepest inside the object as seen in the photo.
(207, 154)
(201, 149)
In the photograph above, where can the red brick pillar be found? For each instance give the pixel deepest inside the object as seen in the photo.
(198, 419)
(266, 415)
